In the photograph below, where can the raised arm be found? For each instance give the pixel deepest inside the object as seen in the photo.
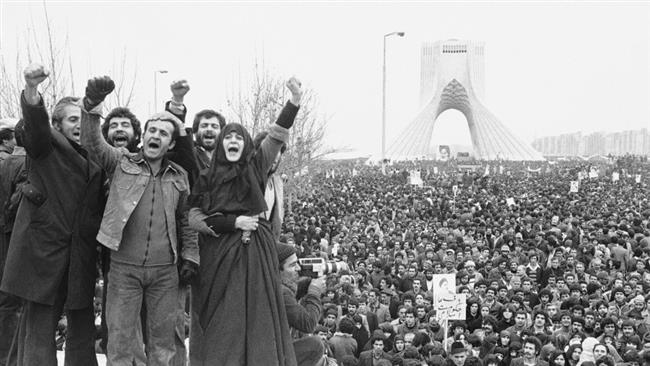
(38, 133)
(92, 139)
(183, 152)
(175, 106)
(279, 132)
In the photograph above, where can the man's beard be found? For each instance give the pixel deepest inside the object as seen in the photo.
(122, 139)
(201, 141)
(289, 279)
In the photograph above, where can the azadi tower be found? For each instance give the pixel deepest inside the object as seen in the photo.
(452, 77)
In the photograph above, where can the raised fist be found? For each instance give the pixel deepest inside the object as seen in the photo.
(179, 88)
(98, 88)
(295, 87)
(35, 74)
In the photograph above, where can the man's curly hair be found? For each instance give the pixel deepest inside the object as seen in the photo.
(135, 123)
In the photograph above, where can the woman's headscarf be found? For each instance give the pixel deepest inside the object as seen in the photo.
(587, 354)
(398, 338)
(231, 187)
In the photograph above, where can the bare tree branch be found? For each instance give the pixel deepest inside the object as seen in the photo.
(265, 98)
(57, 57)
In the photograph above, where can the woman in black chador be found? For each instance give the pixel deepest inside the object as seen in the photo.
(237, 300)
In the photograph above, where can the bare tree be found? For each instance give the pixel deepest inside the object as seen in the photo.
(257, 105)
(44, 45)
(10, 86)
(122, 96)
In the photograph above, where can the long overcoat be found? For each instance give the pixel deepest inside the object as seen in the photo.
(53, 246)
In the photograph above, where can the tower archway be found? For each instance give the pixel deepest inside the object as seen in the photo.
(452, 78)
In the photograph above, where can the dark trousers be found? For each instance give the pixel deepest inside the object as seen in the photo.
(9, 310)
(9, 316)
(35, 341)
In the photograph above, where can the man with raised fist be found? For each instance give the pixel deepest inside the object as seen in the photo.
(122, 129)
(206, 126)
(51, 263)
(144, 221)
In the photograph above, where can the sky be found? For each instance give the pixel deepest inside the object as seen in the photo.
(550, 67)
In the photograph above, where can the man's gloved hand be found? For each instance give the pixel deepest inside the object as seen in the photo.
(188, 271)
(97, 90)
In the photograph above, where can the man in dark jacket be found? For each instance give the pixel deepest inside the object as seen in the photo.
(303, 316)
(530, 356)
(12, 177)
(206, 127)
(7, 140)
(372, 357)
(51, 263)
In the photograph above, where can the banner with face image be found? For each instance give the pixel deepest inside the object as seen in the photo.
(446, 302)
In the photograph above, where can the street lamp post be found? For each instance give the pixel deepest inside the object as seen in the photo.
(383, 102)
(155, 87)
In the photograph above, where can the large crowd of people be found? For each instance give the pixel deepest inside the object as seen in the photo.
(160, 245)
(549, 273)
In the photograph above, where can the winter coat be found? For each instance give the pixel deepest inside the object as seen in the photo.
(53, 246)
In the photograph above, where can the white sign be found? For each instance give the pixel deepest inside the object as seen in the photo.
(615, 177)
(446, 303)
(415, 178)
(593, 173)
(435, 170)
(452, 309)
(637, 178)
(574, 186)
(455, 190)
(582, 175)
(510, 201)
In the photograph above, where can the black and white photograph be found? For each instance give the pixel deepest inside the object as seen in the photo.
(324, 183)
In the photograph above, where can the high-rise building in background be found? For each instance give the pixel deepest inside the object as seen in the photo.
(635, 142)
(452, 77)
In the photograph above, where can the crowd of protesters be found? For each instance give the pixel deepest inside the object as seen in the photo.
(552, 276)
(136, 240)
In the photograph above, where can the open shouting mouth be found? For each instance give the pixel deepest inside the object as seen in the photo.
(209, 139)
(153, 145)
(233, 152)
(120, 139)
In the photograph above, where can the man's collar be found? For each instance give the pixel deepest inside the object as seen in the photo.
(19, 151)
(165, 164)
